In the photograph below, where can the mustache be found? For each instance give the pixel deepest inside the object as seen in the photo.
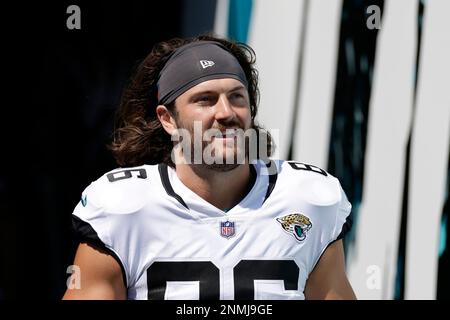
(224, 129)
(232, 125)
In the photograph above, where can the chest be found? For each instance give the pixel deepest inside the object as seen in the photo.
(253, 255)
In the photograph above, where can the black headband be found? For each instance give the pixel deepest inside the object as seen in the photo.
(194, 63)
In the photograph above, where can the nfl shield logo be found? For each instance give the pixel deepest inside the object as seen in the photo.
(227, 229)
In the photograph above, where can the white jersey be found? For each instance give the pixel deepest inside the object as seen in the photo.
(172, 244)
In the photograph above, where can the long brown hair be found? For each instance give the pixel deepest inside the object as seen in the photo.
(138, 136)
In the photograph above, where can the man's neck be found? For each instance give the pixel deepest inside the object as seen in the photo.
(223, 189)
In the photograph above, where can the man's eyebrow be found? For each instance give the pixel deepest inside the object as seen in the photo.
(239, 87)
(203, 92)
(196, 94)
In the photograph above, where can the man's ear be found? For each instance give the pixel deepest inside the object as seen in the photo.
(166, 119)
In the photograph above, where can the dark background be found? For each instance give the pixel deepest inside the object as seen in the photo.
(73, 82)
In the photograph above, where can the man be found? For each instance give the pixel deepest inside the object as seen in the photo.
(195, 214)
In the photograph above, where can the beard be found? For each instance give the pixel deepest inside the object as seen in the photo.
(208, 151)
(220, 167)
(224, 158)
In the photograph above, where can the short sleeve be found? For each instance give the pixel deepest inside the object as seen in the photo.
(344, 218)
(91, 224)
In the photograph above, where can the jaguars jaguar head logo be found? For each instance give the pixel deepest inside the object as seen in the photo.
(296, 224)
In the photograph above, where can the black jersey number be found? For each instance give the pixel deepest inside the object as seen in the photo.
(203, 271)
(126, 174)
(307, 167)
(247, 271)
(208, 276)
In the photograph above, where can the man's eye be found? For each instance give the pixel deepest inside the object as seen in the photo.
(204, 99)
(237, 95)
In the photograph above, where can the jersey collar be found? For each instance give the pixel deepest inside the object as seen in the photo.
(259, 192)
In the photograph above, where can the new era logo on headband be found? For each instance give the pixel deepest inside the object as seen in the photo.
(206, 63)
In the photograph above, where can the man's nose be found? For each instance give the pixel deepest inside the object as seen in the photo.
(224, 109)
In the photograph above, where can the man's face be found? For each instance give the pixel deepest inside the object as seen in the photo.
(216, 108)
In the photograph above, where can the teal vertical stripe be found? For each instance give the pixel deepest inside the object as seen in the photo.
(239, 19)
(443, 236)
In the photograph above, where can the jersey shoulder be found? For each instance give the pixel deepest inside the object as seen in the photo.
(312, 183)
(110, 209)
(122, 190)
(321, 194)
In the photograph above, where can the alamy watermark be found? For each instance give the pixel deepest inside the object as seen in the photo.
(374, 20)
(74, 20)
(373, 281)
(74, 281)
(222, 147)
